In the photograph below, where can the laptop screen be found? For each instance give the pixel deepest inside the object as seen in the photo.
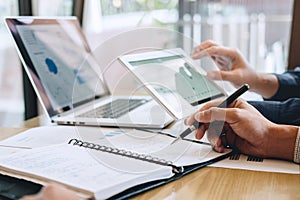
(58, 61)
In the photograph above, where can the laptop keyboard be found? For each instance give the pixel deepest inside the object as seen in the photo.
(114, 109)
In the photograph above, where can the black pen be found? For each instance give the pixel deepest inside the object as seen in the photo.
(230, 99)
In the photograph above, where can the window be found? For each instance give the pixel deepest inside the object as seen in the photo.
(52, 8)
(124, 13)
(128, 6)
(259, 28)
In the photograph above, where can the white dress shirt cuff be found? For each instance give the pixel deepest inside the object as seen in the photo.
(297, 148)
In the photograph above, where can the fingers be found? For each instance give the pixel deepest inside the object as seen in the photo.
(201, 48)
(221, 75)
(214, 51)
(229, 115)
(191, 119)
(212, 136)
(31, 197)
(204, 45)
(37, 196)
(214, 75)
(220, 51)
(53, 192)
(218, 146)
(210, 108)
(208, 43)
(227, 138)
(210, 115)
(223, 62)
(200, 132)
(216, 121)
(211, 104)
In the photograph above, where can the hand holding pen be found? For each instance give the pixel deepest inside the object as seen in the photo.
(230, 99)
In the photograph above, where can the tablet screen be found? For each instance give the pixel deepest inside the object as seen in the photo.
(173, 79)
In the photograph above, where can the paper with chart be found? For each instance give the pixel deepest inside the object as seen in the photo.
(240, 161)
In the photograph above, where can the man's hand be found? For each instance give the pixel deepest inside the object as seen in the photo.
(53, 192)
(246, 129)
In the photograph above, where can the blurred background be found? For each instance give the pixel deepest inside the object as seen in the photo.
(261, 29)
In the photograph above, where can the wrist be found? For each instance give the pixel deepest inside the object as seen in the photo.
(281, 141)
(265, 84)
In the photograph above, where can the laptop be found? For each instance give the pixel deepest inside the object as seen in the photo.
(67, 79)
(180, 86)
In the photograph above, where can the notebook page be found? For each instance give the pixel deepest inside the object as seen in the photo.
(182, 153)
(50, 135)
(80, 168)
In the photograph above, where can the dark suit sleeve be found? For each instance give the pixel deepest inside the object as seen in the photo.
(289, 85)
(280, 112)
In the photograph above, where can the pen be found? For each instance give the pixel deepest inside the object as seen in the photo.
(230, 99)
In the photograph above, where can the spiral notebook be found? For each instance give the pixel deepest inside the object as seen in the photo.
(116, 168)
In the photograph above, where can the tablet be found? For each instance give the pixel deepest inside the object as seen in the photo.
(174, 80)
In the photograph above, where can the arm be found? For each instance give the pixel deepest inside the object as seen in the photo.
(248, 131)
(280, 112)
(289, 85)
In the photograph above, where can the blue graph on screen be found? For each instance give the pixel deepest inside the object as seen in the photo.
(51, 66)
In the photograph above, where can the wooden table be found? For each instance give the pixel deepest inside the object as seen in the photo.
(209, 182)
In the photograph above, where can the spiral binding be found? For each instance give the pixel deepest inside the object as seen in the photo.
(126, 153)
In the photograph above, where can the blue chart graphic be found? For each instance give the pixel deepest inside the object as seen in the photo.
(80, 79)
(51, 66)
